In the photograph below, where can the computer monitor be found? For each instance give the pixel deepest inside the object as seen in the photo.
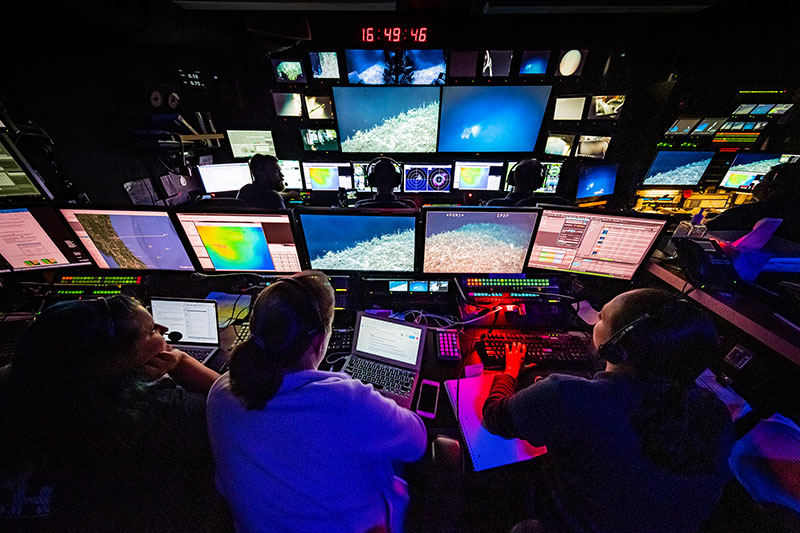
(559, 144)
(327, 176)
(748, 168)
(677, 169)
(324, 65)
(292, 178)
(491, 118)
(606, 106)
(496, 63)
(35, 238)
(477, 176)
(289, 71)
(594, 146)
(571, 62)
(322, 140)
(597, 243)
(349, 240)
(595, 182)
(319, 107)
(247, 143)
(18, 183)
(370, 67)
(552, 171)
(288, 104)
(127, 239)
(534, 62)
(683, 125)
(463, 64)
(477, 240)
(422, 67)
(222, 242)
(224, 177)
(387, 119)
(422, 177)
(709, 126)
(569, 108)
(360, 176)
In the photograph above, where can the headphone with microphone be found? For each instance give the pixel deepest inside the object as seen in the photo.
(511, 176)
(369, 171)
(310, 298)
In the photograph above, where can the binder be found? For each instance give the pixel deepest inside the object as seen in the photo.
(486, 449)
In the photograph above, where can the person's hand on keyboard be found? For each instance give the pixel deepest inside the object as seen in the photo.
(515, 357)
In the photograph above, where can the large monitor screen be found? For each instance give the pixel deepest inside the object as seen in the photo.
(427, 177)
(249, 143)
(241, 242)
(15, 183)
(678, 168)
(477, 240)
(748, 168)
(387, 119)
(36, 238)
(225, 177)
(292, 178)
(491, 119)
(477, 176)
(325, 176)
(596, 181)
(138, 240)
(593, 243)
(348, 241)
(552, 171)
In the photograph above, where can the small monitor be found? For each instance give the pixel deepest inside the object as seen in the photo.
(780, 109)
(288, 104)
(602, 244)
(472, 240)
(762, 109)
(350, 240)
(319, 107)
(127, 239)
(748, 168)
(606, 106)
(678, 169)
(224, 242)
(571, 62)
(326, 176)
(682, 126)
(569, 108)
(17, 180)
(289, 71)
(292, 177)
(559, 144)
(534, 62)
(360, 176)
(324, 65)
(36, 238)
(596, 181)
(427, 177)
(477, 176)
(422, 67)
(552, 171)
(744, 109)
(247, 143)
(463, 64)
(594, 146)
(225, 177)
(324, 140)
(709, 126)
(496, 63)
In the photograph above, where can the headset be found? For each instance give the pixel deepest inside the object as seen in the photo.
(510, 179)
(310, 298)
(397, 177)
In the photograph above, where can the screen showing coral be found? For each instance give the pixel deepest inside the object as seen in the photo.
(678, 168)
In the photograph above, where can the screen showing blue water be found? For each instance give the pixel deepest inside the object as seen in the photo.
(534, 63)
(596, 181)
(678, 168)
(491, 119)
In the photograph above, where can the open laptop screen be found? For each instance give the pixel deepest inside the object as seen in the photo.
(196, 320)
(390, 340)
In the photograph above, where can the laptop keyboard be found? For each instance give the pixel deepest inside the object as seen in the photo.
(198, 353)
(386, 378)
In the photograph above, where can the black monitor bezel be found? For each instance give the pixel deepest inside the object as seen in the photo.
(203, 182)
(696, 186)
(44, 195)
(582, 168)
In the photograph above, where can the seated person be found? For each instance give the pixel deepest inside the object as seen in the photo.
(267, 184)
(637, 448)
(385, 177)
(299, 449)
(776, 197)
(527, 176)
(93, 438)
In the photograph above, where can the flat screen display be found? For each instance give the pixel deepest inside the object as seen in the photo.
(569, 108)
(552, 171)
(594, 146)
(606, 106)
(387, 119)
(136, 240)
(225, 177)
(292, 177)
(321, 140)
(360, 176)
(36, 238)
(491, 119)
(319, 107)
(241, 242)
(748, 168)
(571, 62)
(463, 63)
(325, 176)
(427, 178)
(559, 144)
(497, 63)
(359, 242)
(422, 67)
(709, 126)
(288, 104)
(247, 143)
(678, 168)
(289, 71)
(477, 240)
(534, 62)
(15, 183)
(324, 65)
(596, 181)
(477, 176)
(682, 126)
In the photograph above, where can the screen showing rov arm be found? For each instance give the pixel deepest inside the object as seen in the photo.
(196, 321)
(390, 340)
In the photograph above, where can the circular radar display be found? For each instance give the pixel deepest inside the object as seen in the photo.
(416, 180)
(439, 179)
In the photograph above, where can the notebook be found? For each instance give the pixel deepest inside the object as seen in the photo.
(196, 321)
(388, 354)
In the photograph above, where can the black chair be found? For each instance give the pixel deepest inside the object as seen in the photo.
(386, 204)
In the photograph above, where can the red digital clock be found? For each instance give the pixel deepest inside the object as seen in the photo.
(394, 34)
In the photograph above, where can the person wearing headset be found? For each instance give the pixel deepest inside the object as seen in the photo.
(383, 176)
(299, 449)
(267, 184)
(527, 176)
(639, 447)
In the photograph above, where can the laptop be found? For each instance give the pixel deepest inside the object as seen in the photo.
(196, 320)
(388, 354)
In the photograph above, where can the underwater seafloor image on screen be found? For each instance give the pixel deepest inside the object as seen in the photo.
(324, 65)
(387, 119)
(236, 247)
(361, 243)
(678, 168)
(487, 242)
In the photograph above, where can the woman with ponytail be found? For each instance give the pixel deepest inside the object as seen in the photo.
(298, 449)
(639, 447)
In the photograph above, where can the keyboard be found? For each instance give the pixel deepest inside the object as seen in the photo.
(545, 348)
(447, 346)
(198, 353)
(392, 379)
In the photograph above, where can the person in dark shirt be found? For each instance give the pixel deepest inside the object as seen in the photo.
(776, 197)
(267, 184)
(526, 177)
(639, 447)
(385, 178)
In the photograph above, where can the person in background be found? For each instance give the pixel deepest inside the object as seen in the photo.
(776, 197)
(385, 178)
(639, 447)
(267, 184)
(526, 177)
(299, 449)
(103, 424)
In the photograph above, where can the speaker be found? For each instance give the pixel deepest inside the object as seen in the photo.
(371, 168)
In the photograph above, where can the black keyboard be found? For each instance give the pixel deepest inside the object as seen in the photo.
(392, 379)
(545, 348)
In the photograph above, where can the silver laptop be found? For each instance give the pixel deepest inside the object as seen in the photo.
(388, 354)
(196, 320)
